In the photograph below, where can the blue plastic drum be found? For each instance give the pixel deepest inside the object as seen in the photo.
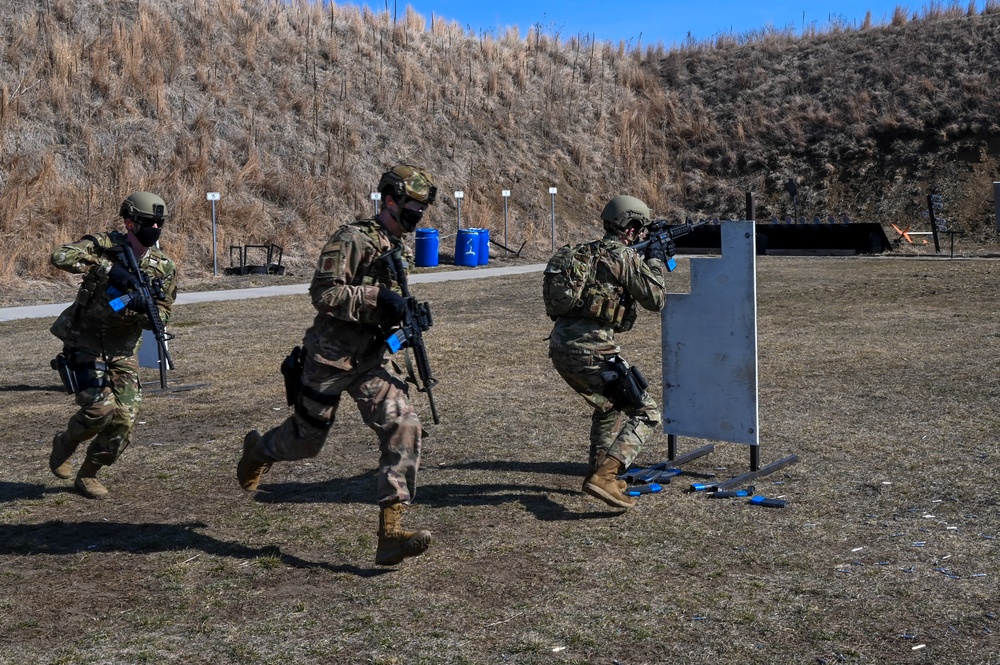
(426, 248)
(467, 248)
(484, 246)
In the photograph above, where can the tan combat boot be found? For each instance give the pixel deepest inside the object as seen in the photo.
(87, 482)
(622, 484)
(394, 544)
(62, 450)
(251, 466)
(603, 484)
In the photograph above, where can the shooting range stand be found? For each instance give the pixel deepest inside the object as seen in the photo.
(507, 249)
(242, 266)
(709, 340)
(149, 358)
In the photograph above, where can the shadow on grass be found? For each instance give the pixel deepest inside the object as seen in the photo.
(534, 497)
(58, 537)
(21, 387)
(10, 492)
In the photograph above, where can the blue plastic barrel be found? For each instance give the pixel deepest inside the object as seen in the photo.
(426, 248)
(467, 247)
(484, 246)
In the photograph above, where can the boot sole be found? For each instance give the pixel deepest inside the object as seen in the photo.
(90, 495)
(415, 546)
(598, 493)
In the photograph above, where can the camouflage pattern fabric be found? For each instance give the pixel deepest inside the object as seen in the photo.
(346, 352)
(94, 334)
(107, 412)
(579, 347)
(381, 395)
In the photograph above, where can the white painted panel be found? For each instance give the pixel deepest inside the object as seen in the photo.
(710, 345)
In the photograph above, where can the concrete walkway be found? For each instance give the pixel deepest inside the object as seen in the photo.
(42, 311)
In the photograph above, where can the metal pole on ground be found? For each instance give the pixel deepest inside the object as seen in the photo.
(552, 193)
(459, 195)
(213, 197)
(506, 195)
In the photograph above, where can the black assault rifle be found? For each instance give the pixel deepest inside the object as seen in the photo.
(416, 319)
(151, 290)
(661, 238)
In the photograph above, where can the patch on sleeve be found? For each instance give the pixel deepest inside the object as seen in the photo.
(331, 259)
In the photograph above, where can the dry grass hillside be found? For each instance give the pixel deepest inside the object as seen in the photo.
(291, 110)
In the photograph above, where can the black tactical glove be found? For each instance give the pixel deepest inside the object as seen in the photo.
(122, 278)
(658, 249)
(137, 303)
(391, 305)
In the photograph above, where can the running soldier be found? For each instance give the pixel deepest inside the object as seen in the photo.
(100, 340)
(358, 302)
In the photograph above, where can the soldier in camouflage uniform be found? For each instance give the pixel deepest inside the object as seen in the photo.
(99, 343)
(583, 342)
(358, 303)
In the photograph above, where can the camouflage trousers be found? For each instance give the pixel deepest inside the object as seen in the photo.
(381, 395)
(609, 436)
(108, 407)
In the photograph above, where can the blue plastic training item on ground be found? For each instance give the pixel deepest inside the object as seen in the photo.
(643, 489)
(768, 503)
(426, 248)
(467, 248)
(727, 495)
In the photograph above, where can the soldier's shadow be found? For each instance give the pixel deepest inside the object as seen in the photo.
(58, 537)
(536, 498)
(21, 387)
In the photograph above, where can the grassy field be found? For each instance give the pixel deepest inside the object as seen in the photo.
(881, 374)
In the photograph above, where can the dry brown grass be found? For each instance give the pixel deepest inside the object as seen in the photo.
(291, 110)
(880, 373)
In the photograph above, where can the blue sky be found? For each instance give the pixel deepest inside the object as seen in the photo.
(666, 21)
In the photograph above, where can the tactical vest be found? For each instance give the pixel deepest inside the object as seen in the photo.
(376, 272)
(96, 281)
(602, 298)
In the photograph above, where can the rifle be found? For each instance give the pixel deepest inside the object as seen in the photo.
(151, 290)
(416, 319)
(662, 235)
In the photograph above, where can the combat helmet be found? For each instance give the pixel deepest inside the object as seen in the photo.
(405, 182)
(622, 211)
(144, 206)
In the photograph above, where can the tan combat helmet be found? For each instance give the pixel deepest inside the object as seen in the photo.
(623, 211)
(144, 206)
(405, 182)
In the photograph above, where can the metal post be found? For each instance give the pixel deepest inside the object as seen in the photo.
(376, 197)
(751, 209)
(552, 193)
(506, 195)
(996, 202)
(213, 197)
(934, 201)
(459, 195)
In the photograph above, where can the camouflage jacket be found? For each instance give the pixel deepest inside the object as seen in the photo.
(624, 275)
(90, 323)
(348, 328)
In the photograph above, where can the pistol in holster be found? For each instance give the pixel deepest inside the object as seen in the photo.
(291, 370)
(61, 364)
(625, 386)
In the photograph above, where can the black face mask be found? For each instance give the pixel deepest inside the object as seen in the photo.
(148, 235)
(409, 219)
